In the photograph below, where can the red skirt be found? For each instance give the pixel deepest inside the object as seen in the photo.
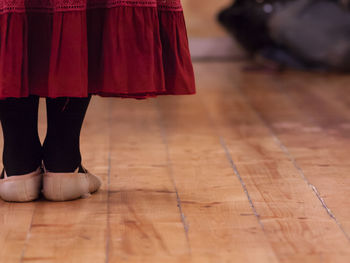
(112, 48)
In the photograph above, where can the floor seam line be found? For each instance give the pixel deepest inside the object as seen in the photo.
(244, 186)
(171, 176)
(295, 164)
(108, 182)
(235, 169)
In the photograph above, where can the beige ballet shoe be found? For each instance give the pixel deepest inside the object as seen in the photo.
(21, 188)
(69, 186)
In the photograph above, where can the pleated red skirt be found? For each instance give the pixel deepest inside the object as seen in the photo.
(112, 48)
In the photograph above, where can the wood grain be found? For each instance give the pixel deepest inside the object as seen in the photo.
(315, 132)
(146, 223)
(289, 209)
(222, 225)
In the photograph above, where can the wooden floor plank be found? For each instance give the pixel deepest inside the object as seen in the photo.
(222, 226)
(75, 231)
(146, 223)
(295, 222)
(316, 132)
(15, 222)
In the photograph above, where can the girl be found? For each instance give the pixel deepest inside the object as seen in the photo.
(67, 51)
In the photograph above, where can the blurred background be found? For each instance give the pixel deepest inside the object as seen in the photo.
(201, 17)
(208, 39)
(277, 34)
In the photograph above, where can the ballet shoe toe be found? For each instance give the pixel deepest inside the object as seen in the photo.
(69, 186)
(21, 188)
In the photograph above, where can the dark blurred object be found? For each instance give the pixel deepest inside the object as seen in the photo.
(345, 3)
(247, 21)
(305, 34)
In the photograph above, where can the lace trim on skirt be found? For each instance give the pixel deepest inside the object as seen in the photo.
(71, 5)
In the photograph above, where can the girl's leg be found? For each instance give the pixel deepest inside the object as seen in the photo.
(61, 148)
(22, 152)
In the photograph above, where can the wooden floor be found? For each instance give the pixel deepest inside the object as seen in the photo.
(254, 168)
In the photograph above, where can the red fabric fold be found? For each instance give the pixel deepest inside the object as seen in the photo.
(124, 51)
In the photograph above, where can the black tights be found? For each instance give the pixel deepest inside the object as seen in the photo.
(60, 151)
